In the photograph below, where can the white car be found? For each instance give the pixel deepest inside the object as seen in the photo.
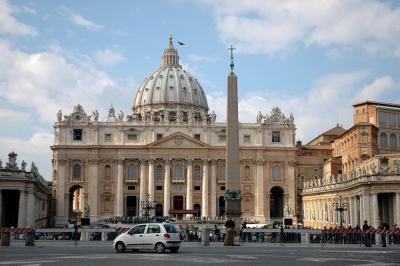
(154, 236)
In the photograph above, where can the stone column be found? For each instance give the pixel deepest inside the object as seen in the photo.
(213, 196)
(259, 204)
(204, 190)
(189, 187)
(93, 190)
(61, 220)
(366, 208)
(351, 211)
(291, 187)
(120, 188)
(167, 187)
(31, 209)
(151, 181)
(375, 211)
(22, 209)
(142, 192)
(1, 208)
(397, 209)
(361, 210)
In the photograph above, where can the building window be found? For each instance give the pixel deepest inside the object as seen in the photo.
(77, 134)
(197, 188)
(222, 171)
(158, 187)
(276, 136)
(393, 141)
(196, 136)
(159, 172)
(246, 139)
(77, 171)
(159, 136)
(222, 138)
(247, 172)
(132, 137)
(276, 173)
(197, 172)
(131, 187)
(178, 171)
(222, 188)
(383, 140)
(107, 137)
(107, 171)
(132, 171)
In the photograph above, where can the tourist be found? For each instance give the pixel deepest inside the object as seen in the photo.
(366, 234)
(75, 236)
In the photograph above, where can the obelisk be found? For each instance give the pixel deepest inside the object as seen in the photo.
(232, 195)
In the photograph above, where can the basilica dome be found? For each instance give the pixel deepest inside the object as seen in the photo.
(170, 89)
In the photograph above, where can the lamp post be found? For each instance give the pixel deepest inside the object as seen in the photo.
(340, 207)
(147, 206)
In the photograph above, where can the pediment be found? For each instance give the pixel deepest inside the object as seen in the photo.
(178, 140)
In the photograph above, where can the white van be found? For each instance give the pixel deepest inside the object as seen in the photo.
(154, 236)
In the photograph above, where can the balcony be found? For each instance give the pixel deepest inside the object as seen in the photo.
(178, 180)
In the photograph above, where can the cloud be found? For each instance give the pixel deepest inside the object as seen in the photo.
(108, 57)
(50, 80)
(36, 148)
(8, 117)
(9, 25)
(275, 26)
(81, 21)
(329, 101)
(202, 59)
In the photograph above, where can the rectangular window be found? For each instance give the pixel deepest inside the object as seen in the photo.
(276, 136)
(196, 136)
(132, 137)
(77, 134)
(222, 138)
(159, 136)
(246, 139)
(159, 187)
(107, 137)
(131, 187)
(197, 188)
(222, 188)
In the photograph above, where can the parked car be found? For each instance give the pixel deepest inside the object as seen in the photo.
(153, 236)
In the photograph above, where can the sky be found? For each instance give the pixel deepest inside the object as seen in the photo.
(314, 59)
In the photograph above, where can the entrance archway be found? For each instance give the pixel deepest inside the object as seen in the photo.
(77, 203)
(276, 203)
(221, 206)
(9, 208)
(159, 210)
(177, 204)
(131, 206)
(197, 208)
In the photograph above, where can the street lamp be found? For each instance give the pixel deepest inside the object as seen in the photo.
(147, 206)
(340, 207)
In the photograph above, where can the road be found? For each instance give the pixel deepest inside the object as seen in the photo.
(101, 253)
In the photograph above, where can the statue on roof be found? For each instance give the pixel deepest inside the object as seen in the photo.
(34, 169)
(96, 115)
(259, 117)
(59, 116)
(213, 117)
(12, 161)
(121, 115)
(23, 165)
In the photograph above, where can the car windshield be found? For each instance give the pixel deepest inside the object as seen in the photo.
(170, 228)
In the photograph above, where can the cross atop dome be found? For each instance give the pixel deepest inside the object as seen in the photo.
(170, 56)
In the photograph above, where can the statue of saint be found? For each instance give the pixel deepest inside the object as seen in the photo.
(59, 115)
(213, 117)
(190, 116)
(121, 115)
(259, 117)
(96, 115)
(23, 165)
(166, 116)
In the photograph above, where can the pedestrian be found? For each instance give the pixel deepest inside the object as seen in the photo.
(75, 236)
(242, 235)
(216, 232)
(366, 234)
(384, 226)
(281, 236)
(323, 237)
(230, 232)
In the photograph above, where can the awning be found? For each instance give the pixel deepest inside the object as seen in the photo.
(183, 211)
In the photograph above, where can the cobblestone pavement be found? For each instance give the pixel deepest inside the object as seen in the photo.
(101, 253)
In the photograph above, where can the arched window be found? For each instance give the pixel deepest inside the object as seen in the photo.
(383, 140)
(222, 171)
(393, 141)
(77, 171)
(276, 175)
(247, 172)
(178, 171)
(159, 172)
(132, 171)
(107, 171)
(196, 172)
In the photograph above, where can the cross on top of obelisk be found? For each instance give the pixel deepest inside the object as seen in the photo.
(232, 63)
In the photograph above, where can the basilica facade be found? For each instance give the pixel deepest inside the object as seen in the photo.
(171, 151)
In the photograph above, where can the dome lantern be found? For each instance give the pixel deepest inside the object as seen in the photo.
(170, 56)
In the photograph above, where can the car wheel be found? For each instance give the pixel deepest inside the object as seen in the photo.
(174, 250)
(159, 247)
(120, 247)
